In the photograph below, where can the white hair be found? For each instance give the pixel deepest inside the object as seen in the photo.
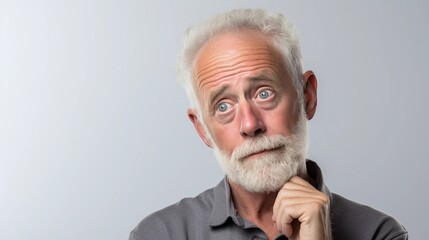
(275, 26)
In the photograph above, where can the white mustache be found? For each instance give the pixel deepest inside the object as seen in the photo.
(257, 145)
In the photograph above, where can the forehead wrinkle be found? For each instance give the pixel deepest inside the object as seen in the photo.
(233, 55)
(230, 60)
(219, 66)
(215, 69)
(227, 73)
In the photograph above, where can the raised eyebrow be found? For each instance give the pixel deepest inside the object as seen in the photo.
(262, 78)
(214, 95)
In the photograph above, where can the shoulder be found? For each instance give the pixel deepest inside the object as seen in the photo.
(351, 220)
(175, 220)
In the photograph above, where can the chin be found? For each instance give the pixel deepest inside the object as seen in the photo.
(264, 174)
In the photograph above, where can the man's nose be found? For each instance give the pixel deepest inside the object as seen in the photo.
(251, 122)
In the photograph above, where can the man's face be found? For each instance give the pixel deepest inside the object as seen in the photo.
(246, 93)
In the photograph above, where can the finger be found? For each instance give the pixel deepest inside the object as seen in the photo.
(298, 186)
(286, 196)
(290, 193)
(303, 212)
(287, 230)
(295, 200)
(288, 220)
(301, 202)
(300, 181)
(297, 183)
(284, 222)
(298, 201)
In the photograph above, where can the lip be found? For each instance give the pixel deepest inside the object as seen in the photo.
(255, 154)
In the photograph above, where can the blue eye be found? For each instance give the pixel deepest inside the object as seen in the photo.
(222, 107)
(264, 94)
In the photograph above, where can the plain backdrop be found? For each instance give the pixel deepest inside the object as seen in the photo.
(93, 128)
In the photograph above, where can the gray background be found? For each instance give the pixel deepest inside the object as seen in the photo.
(93, 130)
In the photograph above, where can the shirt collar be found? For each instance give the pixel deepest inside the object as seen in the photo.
(223, 207)
(314, 171)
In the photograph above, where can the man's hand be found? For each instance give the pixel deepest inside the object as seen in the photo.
(299, 211)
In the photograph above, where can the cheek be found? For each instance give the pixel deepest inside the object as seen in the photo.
(280, 121)
(227, 137)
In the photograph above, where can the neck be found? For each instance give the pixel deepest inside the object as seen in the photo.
(255, 207)
(252, 205)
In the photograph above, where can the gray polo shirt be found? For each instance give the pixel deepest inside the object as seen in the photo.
(212, 215)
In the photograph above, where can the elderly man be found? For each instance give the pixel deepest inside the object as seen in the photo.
(250, 102)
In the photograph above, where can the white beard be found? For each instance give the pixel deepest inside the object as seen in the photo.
(271, 171)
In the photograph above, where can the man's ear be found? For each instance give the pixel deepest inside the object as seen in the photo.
(310, 93)
(199, 127)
